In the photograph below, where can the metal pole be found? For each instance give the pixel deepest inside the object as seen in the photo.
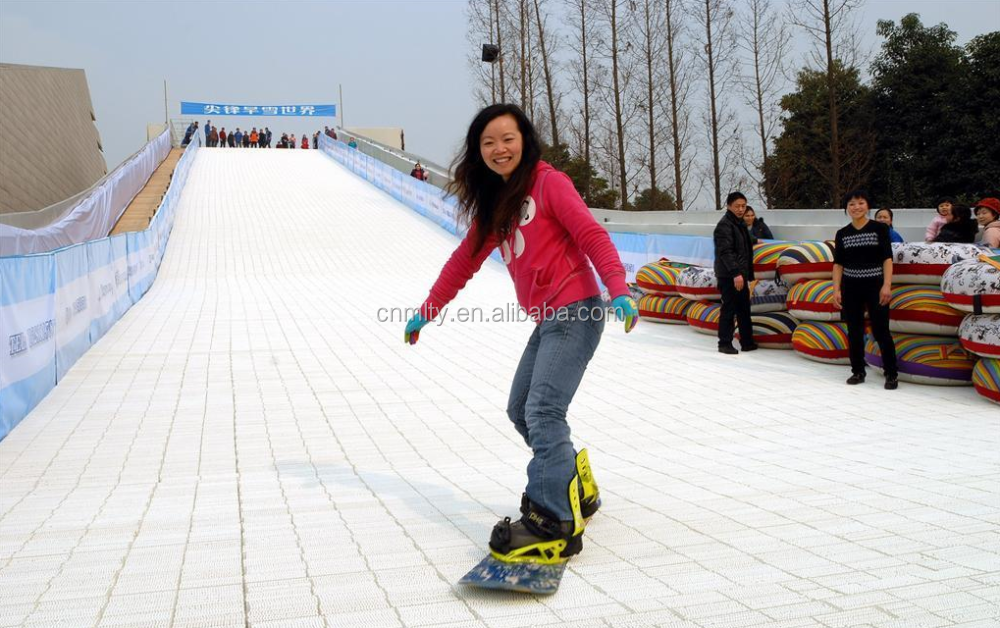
(341, 111)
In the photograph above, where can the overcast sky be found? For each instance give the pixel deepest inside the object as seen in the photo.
(400, 63)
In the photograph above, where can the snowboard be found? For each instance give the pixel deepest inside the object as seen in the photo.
(526, 577)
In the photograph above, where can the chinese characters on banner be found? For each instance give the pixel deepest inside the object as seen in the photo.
(212, 109)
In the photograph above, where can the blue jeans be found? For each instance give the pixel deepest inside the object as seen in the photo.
(547, 377)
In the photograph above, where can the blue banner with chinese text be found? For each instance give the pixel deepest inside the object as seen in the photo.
(213, 109)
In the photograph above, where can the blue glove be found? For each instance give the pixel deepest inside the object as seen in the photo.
(626, 310)
(413, 327)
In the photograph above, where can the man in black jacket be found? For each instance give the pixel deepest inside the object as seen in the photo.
(734, 272)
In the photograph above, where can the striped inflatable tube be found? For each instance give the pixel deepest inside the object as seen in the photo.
(822, 342)
(924, 263)
(986, 378)
(926, 359)
(765, 258)
(665, 309)
(973, 285)
(981, 335)
(704, 317)
(659, 277)
(812, 300)
(922, 310)
(808, 260)
(773, 330)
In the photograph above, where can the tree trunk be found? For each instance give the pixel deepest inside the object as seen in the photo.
(649, 103)
(619, 125)
(712, 101)
(548, 77)
(831, 88)
(674, 121)
(759, 95)
(493, 66)
(503, 87)
(586, 96)
(524, 67)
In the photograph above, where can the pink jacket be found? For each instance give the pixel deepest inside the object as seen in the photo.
(991, 235)
(546, 254)
(934, 228)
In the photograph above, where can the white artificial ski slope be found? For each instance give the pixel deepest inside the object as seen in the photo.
(249, 446)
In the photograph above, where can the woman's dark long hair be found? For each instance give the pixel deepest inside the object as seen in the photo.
(484, 198)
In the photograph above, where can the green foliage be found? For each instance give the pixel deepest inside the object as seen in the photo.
(928, 125)
(592, 188)
(918, 82)
(799, 171)
(980, 175)
(654, 199)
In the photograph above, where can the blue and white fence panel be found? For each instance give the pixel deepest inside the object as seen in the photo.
(74, 300)
(55, 306)
(28, 321)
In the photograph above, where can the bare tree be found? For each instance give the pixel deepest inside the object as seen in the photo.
(764, 39)
(618, 83)
(829, 23)
(548, 75)
(649, 30)
(584, 38)
(718, 45)
(498, 19)
(678, 126)
(523, 34)
(480, 17)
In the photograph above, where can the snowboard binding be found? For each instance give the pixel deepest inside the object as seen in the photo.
(539, 536)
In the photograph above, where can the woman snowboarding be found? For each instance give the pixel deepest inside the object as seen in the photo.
(546, 234)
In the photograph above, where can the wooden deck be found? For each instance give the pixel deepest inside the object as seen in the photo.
(140, 211)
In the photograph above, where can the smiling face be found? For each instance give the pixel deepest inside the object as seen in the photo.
(749, 216)
(945, 209)
(500, 145)
(985, 216)
(857, 208)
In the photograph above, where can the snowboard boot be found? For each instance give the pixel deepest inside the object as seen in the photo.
(539, 536)
(590, 496)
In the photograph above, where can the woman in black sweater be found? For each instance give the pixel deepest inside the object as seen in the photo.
(862, 277)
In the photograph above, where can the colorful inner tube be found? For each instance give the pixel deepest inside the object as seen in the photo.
(822, 342)
(926, 359)
(659, 277)
(980, 334)
(773, 330)
(973, 285)
(704, 317)
(916, 309)
(986, 378)
(765, 258)
(812, 300)
(923, 263)
(664, 309)
(808, 260)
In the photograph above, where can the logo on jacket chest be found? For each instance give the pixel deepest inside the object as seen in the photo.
(515, 244)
